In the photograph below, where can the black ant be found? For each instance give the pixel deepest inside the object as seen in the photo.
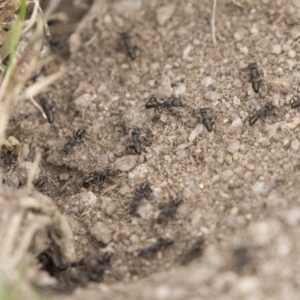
(98, 177)
(261, 113)
(127, 42)
(77, 136)
(39, 183)
(295, 103)
(8, 156)
(141, 193)
(135, 135)
(48, 110)
(206, 120)
(169, 211)
(172, 102)
(195, 251)
(150, 250)
(255, 76)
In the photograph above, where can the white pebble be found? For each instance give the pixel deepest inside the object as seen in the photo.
(295, 145)
(165, 13)
(196, 42)
(179, 90)
(237, 37)
(236, 100)
(164, 89)
(145, 210)
(83, 101)
(208, 81)
(296, 3)
(292, 53)
(186, 51)
(233, 147)
(244, 50)
(276, 49)
(101, 233)
(237, 123)
(126, 163)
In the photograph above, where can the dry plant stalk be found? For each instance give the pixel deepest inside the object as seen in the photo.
(213, 21)
(25, 212)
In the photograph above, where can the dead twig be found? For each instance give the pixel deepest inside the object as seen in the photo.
(213, 28)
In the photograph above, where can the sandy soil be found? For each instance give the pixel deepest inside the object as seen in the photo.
(239, 184)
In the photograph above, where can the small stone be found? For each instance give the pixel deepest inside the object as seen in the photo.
(259, 187)
(165, 13)
(83, 101)
(282, 84)
(292, 53)
(295, 122)
(182, 154)
(262, 233)
(164, 89)
(237, 123)
(126, 163)
(101, 233)
(233, 147)
(295, 32)
(227, 174)
(145, 210)
(64, 176)
(292, 63)
(208, 81)
(179, 90)
(137, 117)
(236, 100)
(101, 88)
(196, 42)
(237, 37)
(296, 3)
(276, 49)
(295, 145)
(107, 205)
(126, 6)
(244, 50)
(195, 132)
(187, 51)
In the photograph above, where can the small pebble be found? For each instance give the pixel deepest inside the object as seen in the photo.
(237, 37)
(295, 145)
(292, 53)
(101, 233)
(233, 147)
(83, 101)
(165, 13)
(276, 49)
(236, 100)
(296, 3)
(179, 90)
(208, 81)
(237, 123)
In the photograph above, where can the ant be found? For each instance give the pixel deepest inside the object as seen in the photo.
(150, 250)
(172, 102)
(8, 156)
(48, 110)
(261, 113)
(39, 183)
(98, 177)
(135, 135)
(195, 251)
(169, 211)
(295, 103)
(255, 76)
(141, 193)
(127, 42)
(206, 120)
(77, 136)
